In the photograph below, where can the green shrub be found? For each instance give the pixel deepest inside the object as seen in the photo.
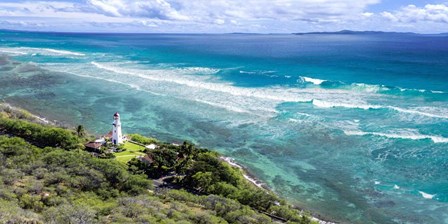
(142, 139)
(40, 135)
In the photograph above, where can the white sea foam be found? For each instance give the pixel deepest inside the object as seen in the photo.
(34, 51)
(294, 120)
(418, 112)
(400, 135)
(246, 72)
(113, 81)
(326, 104)
(227, 107)
(11, 51)
(303, 118)
(205, 88)
(173, 76)
(414, 111)
(255, 182)
(368, 87)
(231, 162)
(313, 80)
(61, 52)
(200, 70)
(256, 72)
(396, 187)
(426, 195)
(179, 83)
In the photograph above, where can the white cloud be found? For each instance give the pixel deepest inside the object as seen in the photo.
(412, 14)
(273, 9)
(21, 23)
(368, 14)
(216, 16)
(199, 15)
(159, 9)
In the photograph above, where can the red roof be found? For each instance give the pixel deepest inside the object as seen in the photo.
(93, 145)
(109, 135)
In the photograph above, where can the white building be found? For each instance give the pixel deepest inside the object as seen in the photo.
(151, 146)
(117, 136)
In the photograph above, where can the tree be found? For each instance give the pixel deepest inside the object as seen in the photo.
(80, 131)
(187, 150)
(203, 180)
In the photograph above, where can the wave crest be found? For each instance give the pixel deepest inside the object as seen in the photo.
(16, 51)
(327, 104)
(400, 135)
(312, 80)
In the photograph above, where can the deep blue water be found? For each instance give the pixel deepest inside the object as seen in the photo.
(352, 127)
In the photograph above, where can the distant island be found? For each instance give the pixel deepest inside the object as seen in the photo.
(356, 32)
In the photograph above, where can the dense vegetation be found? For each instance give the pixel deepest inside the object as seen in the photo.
(203, 172)
(142, 139)
(54, 181)
(40, 135)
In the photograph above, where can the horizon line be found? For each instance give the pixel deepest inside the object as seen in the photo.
(213, 33)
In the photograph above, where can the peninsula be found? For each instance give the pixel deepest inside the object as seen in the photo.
(47, 176)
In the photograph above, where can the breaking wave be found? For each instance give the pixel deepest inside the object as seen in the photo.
(327, 104)
(186, 79)
(363, 87)
(426, 195)
(400, 135)
(17, 51)
(312, 80)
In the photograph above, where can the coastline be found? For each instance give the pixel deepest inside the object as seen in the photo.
(27, 115)
(252, 179)
(24, 114)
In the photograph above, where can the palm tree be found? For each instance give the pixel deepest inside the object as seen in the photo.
(80, 131)
(187, 149)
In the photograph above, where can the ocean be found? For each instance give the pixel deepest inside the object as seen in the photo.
(353, 127)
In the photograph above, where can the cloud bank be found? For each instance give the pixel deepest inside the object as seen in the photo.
(269, 16)
(412, 14)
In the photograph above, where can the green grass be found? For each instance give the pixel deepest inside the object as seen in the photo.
(132, 151)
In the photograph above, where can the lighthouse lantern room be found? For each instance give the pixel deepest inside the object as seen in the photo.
(117, 137)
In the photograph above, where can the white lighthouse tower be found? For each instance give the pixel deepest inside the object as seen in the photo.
(117, 137)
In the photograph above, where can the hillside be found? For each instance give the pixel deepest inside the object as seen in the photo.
(47, 177)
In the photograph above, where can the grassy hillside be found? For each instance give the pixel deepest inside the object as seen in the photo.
(131, 151)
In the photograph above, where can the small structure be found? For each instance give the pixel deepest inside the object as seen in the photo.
(93, 146)
(117, 137)
(101, 140)
(151, 146)
(147, 159)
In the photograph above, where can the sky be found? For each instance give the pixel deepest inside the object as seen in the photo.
(224, 16)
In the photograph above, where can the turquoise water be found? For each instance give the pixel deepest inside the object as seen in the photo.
(351, 127)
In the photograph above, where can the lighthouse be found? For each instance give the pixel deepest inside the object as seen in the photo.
(117, 137)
